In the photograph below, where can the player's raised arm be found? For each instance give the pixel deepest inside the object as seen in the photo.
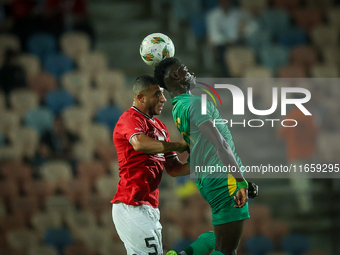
(148, 145)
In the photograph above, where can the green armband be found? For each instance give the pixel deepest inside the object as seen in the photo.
(243, 184)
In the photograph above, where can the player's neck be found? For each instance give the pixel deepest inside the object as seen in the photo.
(179, 90)
(142, 109)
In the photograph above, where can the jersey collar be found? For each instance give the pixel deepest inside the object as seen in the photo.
(146, 116)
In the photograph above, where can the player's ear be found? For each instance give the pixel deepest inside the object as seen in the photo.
(140, 97)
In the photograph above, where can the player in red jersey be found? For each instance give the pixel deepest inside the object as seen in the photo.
(144, 148)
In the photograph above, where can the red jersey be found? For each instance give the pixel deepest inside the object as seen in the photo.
(140, 173)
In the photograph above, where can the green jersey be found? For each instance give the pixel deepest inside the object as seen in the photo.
(187, 116)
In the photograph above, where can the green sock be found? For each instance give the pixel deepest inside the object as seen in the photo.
(202, 245)
(217, 253)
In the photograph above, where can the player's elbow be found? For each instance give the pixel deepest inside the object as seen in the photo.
(172, 172)
(137, 146)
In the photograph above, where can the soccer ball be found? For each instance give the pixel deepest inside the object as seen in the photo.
(156, 47)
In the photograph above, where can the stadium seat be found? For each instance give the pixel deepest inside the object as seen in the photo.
(59, 204)
(28, 139)
(43, 249)
(42, 83)
(78, 249)
(259, 245)
(2, 102)
(259, 40)
(75, 82)
(274, 57)
(41, 45)
(304, 55)
(83, 151)
(57, 64)
(308, 18)
(327, 146)
(78, 221)
(108, 116)
(23, 100)
(95, 238)
(239, 59)
(288, 5)
(322, 5)
(76, 118)
(273, 229)
(40, 119)
(9, 41)
(106, 152)
(94, 99)
(59, 99)
(91, 171)
(96, 204)
(112, 81)
(292, 37)
(107, 186)
(17, 171)
(30, 63)
(325, 71)
(59, 238)
(275, 20)
(97, 134)
(75, 44)
(3, 210)
(28, 206)
(41, 221)
(38, 188)
(295, 244)
(325, 36)
(9, 121)
(93, 63)
(77, 188)
(56, 172)
(254, 6)
(13, 221)
(22, 239)
(292, 71)
(334, 16)
(331, 55)
(258, 72)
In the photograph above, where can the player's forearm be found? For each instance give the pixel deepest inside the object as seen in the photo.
(179, 170)
(151, 146)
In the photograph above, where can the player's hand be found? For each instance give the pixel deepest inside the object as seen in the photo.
(253, 190)
(241, 198)
(183, 146)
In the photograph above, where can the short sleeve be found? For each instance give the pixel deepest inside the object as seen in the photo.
(133, 126)
(196, 116)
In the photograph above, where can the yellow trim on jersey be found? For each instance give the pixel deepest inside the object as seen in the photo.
(232, 186)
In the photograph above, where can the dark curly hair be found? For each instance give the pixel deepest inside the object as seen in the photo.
(161, 69)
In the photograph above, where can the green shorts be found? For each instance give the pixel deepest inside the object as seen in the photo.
(219, 193)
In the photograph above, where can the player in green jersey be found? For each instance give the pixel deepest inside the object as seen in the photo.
(226, 192)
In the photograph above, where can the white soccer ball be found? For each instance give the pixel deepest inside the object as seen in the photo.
(156, 47)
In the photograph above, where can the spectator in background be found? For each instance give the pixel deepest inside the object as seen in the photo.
(68, 15)
(228, 26)
(56, 143)
(301, 149)
(12, 76)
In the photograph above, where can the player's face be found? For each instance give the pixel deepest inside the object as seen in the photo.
(154, 100)
(186, 77)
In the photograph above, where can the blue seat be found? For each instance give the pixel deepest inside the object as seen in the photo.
(108, 116)
(59, 99)
(59, 238)
(259, 245)
(198, 26)
(275, 20)
(58, 64)
(295, 244)
(274, 57)
(259, 40)
(292, 37)
(40, 119)
(41, 44)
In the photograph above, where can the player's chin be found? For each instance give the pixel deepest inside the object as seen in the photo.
(158, 110)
